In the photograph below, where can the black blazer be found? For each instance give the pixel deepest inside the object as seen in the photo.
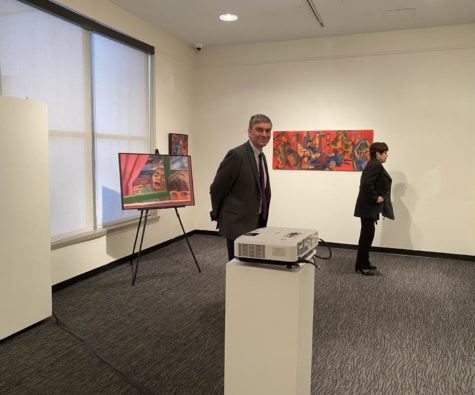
(375, 181)
(235, 192)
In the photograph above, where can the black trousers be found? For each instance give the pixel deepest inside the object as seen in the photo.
(365, 241)
(261, 223)
(230, 245)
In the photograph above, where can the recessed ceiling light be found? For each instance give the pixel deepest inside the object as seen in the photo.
(228, 17)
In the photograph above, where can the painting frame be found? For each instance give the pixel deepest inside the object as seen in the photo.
(177, 144)
(155, 181)
(321, 150)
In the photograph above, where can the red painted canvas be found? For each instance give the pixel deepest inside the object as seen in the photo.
(332, 150)
(151, 181)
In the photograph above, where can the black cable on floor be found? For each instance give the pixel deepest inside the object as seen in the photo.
(139, 387)
(329, 250)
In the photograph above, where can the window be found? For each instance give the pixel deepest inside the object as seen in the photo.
(121, 117)
(86, 79)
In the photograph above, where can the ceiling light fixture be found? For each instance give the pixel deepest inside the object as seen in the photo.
(228, 17)
(315, 12)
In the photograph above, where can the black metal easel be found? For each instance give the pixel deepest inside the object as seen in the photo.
(141, 242)
(186, 238)
(143, 233)
(144, 216)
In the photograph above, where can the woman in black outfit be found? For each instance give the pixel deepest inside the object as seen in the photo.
(374, 197)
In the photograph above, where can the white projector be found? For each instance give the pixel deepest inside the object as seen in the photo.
(286, 245)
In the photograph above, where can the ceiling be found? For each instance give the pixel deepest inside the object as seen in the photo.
(196, 21)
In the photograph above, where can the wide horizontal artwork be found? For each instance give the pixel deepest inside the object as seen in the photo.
(155, 181)
(334, 150)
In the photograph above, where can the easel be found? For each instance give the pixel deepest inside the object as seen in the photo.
(144, 216)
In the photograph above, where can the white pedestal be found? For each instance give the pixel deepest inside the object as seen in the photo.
(269, 324)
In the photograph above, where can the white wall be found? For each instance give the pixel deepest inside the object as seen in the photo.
(416, 89)
(174, 98)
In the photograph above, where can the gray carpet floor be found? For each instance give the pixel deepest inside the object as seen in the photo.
(408, 330)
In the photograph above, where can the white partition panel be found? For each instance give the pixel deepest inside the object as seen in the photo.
(25, 264)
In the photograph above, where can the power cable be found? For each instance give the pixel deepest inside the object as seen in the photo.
(139, 387)
(329, 250)
(312, 256)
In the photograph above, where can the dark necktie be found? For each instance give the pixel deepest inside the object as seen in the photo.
(262, 185)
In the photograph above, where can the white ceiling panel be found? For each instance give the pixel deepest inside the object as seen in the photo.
(196, 21)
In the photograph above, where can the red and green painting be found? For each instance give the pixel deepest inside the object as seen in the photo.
(153, 181)
(332, 150)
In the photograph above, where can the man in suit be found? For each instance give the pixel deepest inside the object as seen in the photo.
(374, 198)
(240, 192)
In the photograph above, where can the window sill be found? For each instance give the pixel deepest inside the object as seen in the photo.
(95, 234)
(77, 238)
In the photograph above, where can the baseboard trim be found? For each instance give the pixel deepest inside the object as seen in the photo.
(400, 251)
(386, 250)
(110, 265)
(205, 232)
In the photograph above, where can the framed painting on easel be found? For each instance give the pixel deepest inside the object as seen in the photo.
(152, 181)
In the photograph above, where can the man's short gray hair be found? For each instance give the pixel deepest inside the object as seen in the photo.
(259, 118)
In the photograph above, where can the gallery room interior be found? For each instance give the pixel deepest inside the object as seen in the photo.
(71, 322)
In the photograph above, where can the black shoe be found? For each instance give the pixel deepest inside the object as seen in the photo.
(371, 267)
(363, 270)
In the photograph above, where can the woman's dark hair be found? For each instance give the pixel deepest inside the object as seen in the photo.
(377, 147)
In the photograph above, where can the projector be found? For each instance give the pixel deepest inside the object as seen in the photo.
(276, 245)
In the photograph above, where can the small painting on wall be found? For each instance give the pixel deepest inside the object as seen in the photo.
(331, 150)
(177, 144)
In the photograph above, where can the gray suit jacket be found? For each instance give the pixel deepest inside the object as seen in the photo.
(235, 192)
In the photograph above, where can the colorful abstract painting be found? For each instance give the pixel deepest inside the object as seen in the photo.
(177, 144)
(333, 150)
(155, 181)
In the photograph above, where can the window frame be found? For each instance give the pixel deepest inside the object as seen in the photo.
(90, 26)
